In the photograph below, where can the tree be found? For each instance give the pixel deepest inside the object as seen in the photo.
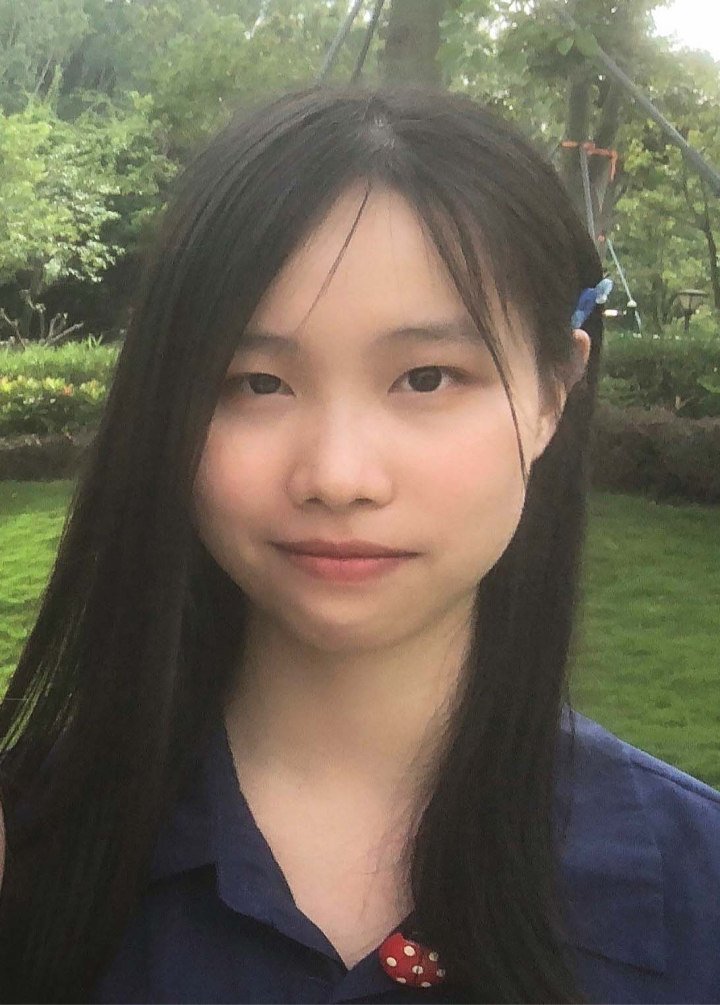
(104, 100)
(516, 56)
(523, 59)
(62, 183)
(193, 61)
(667, 222)
(535, 41)
(412, 41)
(35, 40)
(693, 102)
(202, 58)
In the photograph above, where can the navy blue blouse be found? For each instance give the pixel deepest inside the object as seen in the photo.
(642, 860)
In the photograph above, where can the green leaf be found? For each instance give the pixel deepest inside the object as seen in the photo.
(713, 386)
(586, 43)
(565, 45)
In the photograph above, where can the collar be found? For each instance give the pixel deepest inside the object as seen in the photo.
(610, 860)
(214, 826)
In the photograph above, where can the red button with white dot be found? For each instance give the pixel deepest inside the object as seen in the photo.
(408, 962)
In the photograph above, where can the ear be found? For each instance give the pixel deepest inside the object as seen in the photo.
(551, 411)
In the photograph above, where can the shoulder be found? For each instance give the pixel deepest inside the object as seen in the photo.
(642, 856)
(619, 783)
(681, 814)
(662, 788)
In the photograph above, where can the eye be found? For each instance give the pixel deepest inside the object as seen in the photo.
(422, 380)
(425, 379)
(260, 384)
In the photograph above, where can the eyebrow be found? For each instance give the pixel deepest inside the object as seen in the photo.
(460, 332)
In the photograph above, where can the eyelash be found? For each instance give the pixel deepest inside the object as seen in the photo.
(459, 376)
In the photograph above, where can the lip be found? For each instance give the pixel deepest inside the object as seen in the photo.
(342, 549)
(344, 570)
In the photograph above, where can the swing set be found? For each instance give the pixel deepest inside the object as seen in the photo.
(586, 148)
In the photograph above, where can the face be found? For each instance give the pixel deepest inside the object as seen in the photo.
(361, 427)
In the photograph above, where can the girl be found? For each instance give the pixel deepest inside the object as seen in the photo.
(292, 723)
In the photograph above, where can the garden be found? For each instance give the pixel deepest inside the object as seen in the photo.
(646, 660)
(102, 105)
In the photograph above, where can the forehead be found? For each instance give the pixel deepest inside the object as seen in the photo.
(379, 272)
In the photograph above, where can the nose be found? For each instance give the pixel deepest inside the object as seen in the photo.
(340, 459)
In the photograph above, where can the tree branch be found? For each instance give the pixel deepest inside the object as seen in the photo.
(697, 218)
(15, 325)
(41, 78)
(59, 321)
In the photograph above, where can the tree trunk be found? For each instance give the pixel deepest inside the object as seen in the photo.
(605, 192)
(29, 298)
(577, 131)
(714, 266)
(26, 315)
(712, 250)
(412, 42)
(657, 303)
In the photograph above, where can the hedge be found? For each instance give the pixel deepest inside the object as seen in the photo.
(654, 452)
(63, 390)
(54, 390)
(33, 458)
(671, 371)
(49, 405)
(657, 426)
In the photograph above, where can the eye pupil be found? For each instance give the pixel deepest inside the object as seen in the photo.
(263, 383)
(423, 379)
(428, 380)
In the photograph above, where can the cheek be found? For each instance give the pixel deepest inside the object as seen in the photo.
(475, 494)
(477, 462)
(459, 477)
(233, 485)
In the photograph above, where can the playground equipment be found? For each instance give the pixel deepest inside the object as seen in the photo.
(585, 148)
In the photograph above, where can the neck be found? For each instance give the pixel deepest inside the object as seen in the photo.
(372, 720)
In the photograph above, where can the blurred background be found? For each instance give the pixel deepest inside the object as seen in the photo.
(102, 103)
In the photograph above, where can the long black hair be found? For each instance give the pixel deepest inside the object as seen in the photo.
(131, 655)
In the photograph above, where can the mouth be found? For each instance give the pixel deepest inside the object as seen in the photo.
(346, 569)
(342, 549)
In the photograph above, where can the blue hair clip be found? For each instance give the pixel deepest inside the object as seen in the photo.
(588, 299)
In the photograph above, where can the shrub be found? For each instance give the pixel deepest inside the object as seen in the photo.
(656, 452)
(671, 371)
(75, 362)
(43, 458)
(649, 432)
(48, 405)
(54, 389)
(705, 324)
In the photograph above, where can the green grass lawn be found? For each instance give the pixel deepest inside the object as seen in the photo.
(648, 663)
(648, 660)
(31, 516)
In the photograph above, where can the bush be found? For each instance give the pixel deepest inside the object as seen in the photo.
(678, 373)
(55, 396)
(705, 323)
(656, 452)
(54, 389)
(43, 458)
(75, 362)
(49, 405)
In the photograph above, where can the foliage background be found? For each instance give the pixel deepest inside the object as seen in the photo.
(646, 654)
(102, 102)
